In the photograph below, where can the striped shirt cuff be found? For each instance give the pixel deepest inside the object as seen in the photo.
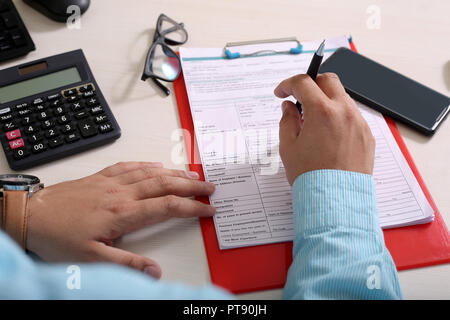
(324, 199)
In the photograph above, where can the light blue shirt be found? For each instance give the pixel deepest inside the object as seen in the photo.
(338, 253)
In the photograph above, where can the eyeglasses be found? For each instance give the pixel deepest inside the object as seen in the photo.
(162, 63)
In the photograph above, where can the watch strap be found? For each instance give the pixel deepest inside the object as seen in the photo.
(15, 215)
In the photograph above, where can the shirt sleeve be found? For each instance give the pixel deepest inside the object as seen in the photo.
(339, 250)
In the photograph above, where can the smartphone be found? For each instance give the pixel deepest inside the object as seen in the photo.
(387, 91)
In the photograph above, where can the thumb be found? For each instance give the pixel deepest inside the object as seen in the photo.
(106, 253)
(290, 123)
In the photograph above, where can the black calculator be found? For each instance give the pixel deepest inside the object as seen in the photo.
(52, 108)
(15, 41)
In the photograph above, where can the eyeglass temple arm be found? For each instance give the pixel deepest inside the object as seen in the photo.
(161, 86)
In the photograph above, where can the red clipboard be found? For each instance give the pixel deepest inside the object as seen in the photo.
(265, 267)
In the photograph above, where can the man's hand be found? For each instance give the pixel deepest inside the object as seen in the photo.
(79, 220)
(332, 133)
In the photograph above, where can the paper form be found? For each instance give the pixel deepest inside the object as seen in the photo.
(236, 121)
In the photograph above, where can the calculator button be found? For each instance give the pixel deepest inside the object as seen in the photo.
(73, 98)
(81, 115)
(100, 119)
(68, 128)
(104, 128)
(27, 120)
(24, 112)
(31, 129)
(92, 102)
(9, 20)
(40, 107)
(5, 46)
(21, 106)
(56, 103)
(56, 142)
(72, 137)
(38, 147)
(86, 87)
(96, 110)
(8, 126)
(11, 135)
(21, 153)
(51, 133)
(63, 119)
(60, 110)
(88, 94)
(5, 111)
(44, 115)
(87, 128)
(53, 97)
(77, 106)
(48, 124)
(5, 118)
(70, 92)
(17, 37)
(35, 138)
(16, 144)
(38, 101)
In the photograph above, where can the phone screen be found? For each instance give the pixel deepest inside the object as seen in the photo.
(388, 91)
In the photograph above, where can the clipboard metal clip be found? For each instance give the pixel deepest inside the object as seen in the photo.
(234, 55)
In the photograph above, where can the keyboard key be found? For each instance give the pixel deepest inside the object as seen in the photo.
(60, 110)
(27, 120)
(18, 38)
(88, 94)
(73, 98)
(5, 46)
(21, 153)
(5, 118)
(87, 128)
(16, 144)
(100, 119)
(12, 135)
(24, 112)
(21, 106)
(38, 147)
(72, 137)
(4, 5)
(54, 97)
(5, 111)
(38, 101)
(44, 115)
(55, 103)
(40, 107)
(56, 142)
(104, 128)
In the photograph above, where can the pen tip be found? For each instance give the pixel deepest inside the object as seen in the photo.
(321, 48)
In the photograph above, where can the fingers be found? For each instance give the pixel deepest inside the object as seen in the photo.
(330, 85)
(303, 88)
(115, 255)
(123, 167)
(290, 124)
(149, 211)
(148, 172)
(165, 185)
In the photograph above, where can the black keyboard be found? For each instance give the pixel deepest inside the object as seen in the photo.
(15, 41)
(55, 123)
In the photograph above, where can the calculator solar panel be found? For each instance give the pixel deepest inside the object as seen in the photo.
(15, 40)
(52, 108)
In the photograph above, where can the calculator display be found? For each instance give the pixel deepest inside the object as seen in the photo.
(39, 84)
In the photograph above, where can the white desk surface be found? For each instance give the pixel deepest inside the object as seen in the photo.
(115, 35)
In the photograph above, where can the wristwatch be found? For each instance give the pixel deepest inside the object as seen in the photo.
(15, 192)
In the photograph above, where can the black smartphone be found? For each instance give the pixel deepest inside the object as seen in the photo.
(388, 91)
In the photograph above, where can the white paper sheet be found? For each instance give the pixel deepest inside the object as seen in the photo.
(236, 119)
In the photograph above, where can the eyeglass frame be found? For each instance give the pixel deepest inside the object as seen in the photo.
(159, 38)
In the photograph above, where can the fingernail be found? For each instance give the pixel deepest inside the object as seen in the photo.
(283, 106)
(193, 175)
(152, 271)
(211, 185)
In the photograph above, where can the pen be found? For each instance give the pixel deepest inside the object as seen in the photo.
(313, 68)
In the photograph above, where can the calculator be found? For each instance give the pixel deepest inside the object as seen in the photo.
(15, 41)
(52, 108)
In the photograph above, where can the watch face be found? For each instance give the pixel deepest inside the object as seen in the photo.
(18, 180)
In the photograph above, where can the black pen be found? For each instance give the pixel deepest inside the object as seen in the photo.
(314, 68)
